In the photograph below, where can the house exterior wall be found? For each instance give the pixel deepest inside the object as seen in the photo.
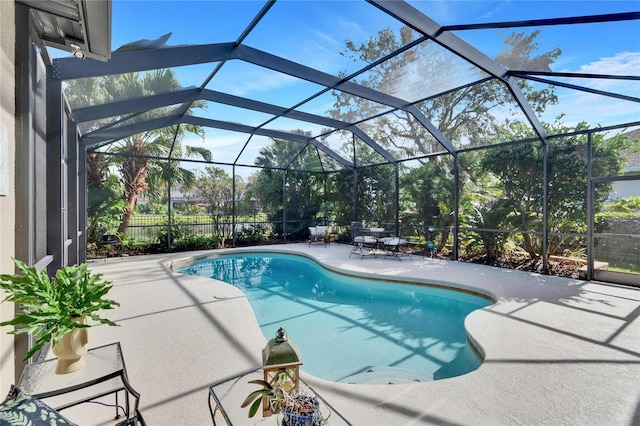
(623, 251)
(7, 200)
(624, 189)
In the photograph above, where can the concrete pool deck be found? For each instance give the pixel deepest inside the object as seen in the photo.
(557, 351)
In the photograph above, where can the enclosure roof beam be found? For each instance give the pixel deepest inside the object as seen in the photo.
(237, 101)
(146, 103)
(303, 72)
(524, 73)
(167, 57)
(143, 60)
(418, 21)
(131, 106)
(580, 88)
(415, 19)
(432, 129)
(276, 134)
(547, 22)
(276, 63)
(116, 133)
(525, 106)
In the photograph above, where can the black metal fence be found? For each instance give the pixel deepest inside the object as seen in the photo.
(155, 228)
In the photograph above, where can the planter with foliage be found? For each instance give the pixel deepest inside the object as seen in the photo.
(298, 408)
(51, 308)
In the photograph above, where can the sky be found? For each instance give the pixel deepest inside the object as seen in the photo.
(314, 33)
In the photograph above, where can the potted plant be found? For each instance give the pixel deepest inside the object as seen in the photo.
(55, 309)
(298, 408)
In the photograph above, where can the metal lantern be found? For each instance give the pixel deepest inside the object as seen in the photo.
(281, 363)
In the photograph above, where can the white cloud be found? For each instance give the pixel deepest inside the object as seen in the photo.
(593, 109)
(325, 40)
(255, 80)
(623, 63)
(355, 31)
(598, 109)
(319, 105)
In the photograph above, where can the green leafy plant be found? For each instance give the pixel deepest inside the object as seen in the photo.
(254, 399)
(293, 405)
(49, 305)
(252, 235)
(494, 217)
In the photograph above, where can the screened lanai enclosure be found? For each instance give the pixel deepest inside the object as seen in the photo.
(483, 137)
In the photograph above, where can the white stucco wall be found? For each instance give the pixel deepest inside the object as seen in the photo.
(624, 189)
(7, 201)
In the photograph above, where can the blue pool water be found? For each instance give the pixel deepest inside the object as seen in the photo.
(352, 329)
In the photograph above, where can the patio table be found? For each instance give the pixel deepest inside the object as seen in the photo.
(104, 374)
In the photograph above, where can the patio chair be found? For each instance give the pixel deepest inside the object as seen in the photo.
(318, 234)
(363, 244)
(113, 241)
(394, 247)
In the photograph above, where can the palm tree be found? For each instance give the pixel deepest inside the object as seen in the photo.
(163, 173)
(138, 153)
(138, 169)
(303, 191)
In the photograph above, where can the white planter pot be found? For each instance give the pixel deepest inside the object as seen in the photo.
(71, 349)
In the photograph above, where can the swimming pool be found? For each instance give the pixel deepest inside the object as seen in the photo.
(352, 329)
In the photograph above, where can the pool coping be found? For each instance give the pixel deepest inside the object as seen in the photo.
(447, 285)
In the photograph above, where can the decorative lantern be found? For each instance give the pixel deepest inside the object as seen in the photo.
(281, 363)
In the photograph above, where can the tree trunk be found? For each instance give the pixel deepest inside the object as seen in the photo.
(528, 246)
(131, 196)
(446, 230)
(134, 176)
(96, 170)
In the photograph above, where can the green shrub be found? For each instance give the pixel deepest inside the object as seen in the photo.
(624, 205)
(196, 242)
(152, 208)
(252, 235)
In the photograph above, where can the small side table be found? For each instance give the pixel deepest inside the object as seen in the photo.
(233, 389)
(104, 374)
(218, 406)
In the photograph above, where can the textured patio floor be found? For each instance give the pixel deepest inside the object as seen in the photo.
(557, 351)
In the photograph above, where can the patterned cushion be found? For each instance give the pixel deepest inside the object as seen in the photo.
(322, 230)
(18, 408)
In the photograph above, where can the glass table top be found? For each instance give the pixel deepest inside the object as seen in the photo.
(101, 375)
